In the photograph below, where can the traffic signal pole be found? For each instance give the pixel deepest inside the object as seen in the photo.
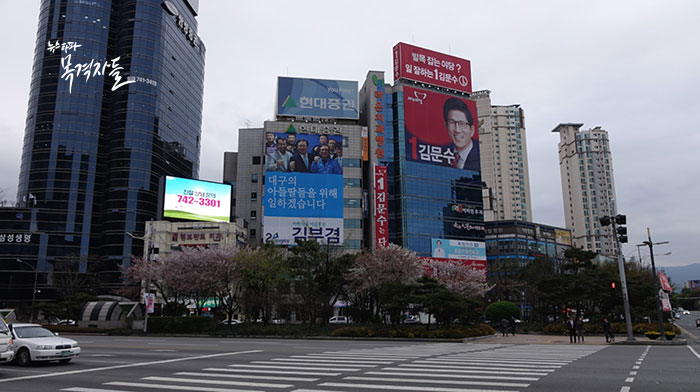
(614, 220)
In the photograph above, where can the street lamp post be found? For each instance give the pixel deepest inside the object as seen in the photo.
(659, 313)
(36, 276)
(146, 238)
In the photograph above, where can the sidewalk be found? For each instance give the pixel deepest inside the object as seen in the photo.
(538, 339)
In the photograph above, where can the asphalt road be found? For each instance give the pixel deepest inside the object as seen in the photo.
(228, 365)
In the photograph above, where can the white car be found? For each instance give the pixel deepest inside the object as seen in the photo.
(6, 351)
(32, 342)
(338, 320)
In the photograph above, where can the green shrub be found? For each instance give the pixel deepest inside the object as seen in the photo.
(353, 332)
(555, 328)
(501, 310)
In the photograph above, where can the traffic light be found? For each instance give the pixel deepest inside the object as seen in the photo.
(612, 285)
(622, 234)
(604, 220)
(621, 219)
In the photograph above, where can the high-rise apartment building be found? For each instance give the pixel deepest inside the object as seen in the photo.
(504, 167)
(115, 103)
(588, 186)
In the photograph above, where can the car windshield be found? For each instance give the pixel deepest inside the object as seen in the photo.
(3, 327)
(33, 332)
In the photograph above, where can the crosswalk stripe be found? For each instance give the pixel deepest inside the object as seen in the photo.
(407, 388)
(412, 374)
(448, 382)
(355, 357)
(489, 363)
(329, 360)
(80, 389)
(504, 361)
(519, 360)
(217, 382)
(297, 368)
(265, 377)
(458, 370)
(313, 363)
(176, 387)
(487, 366)
(272, 372)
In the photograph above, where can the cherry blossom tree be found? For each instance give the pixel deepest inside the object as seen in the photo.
(461, 278)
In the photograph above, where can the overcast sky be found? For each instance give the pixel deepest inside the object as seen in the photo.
(631, 67)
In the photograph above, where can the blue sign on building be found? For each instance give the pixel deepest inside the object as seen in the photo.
(317, 98)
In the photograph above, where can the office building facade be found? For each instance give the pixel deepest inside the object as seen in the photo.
(115, 103)
(588, 186)
(504, 164)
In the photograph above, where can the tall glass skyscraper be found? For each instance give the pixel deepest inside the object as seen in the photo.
(115, 103)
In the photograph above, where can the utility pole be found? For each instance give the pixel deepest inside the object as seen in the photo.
(659, 313)
(36, 276)
(146, 238)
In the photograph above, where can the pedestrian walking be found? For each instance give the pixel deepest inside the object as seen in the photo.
(504, 326)
(607, 330)
(579, 329)
(571, 325)
(511, 325)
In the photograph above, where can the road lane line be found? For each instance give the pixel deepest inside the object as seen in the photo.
(175, 387)
(633, 373)
(265, 377)
(127, 366)
(218, 382)
(635, 367)
(324, 360)
(340, 365)
(79, 389)
(406, 388)
(448, 382)
(629, 379)
(694, 352)
(625, 389)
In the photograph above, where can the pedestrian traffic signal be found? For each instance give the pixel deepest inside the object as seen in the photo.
(621, 219)
(604, 220)
(612, 285)
(622, 233)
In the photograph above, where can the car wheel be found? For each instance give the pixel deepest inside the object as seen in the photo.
(65, 361)
(23, 358)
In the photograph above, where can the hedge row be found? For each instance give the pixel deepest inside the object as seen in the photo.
(181, 324)
(618, 328)
(388, 331)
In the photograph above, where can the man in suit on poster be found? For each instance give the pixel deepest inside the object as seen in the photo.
(302, 159)
(460, 126)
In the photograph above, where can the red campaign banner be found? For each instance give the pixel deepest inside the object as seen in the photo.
(663, 280)
(381, 206)
(441, 129)
(427, 66)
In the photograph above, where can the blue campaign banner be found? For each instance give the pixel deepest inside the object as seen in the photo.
(303, 195)
(317, 98)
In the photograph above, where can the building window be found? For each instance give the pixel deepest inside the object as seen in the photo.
(352, 203)
(352, 244)
(252, 232)
(352, 223)
(253, 196)
(254, 178)
(256, 160)
(350, 162)
(352, 183)
(253, 214)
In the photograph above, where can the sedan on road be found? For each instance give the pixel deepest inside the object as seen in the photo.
(32, 342)
(6, 351)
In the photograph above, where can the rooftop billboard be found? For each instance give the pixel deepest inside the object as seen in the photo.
(196, 200)
(426, 66)
(317, 98)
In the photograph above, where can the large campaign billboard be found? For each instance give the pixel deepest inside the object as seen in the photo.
(427, 66)
(317, 98)
(441, 130)
(196, 200)
(303, 191)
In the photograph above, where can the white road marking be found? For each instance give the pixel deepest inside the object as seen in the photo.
(126, 366)
(272, 372)
(448, 382)
(339, 365)
(633, 373)
(453, 375)
(79, 389)
(625, 389)
(629, 379)
(297, 368)
(328, 360)
(443, 369)
(407, 388)
(694, 352)
(174, 387)
(265, 377)
(635, 367)
(217, 382)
